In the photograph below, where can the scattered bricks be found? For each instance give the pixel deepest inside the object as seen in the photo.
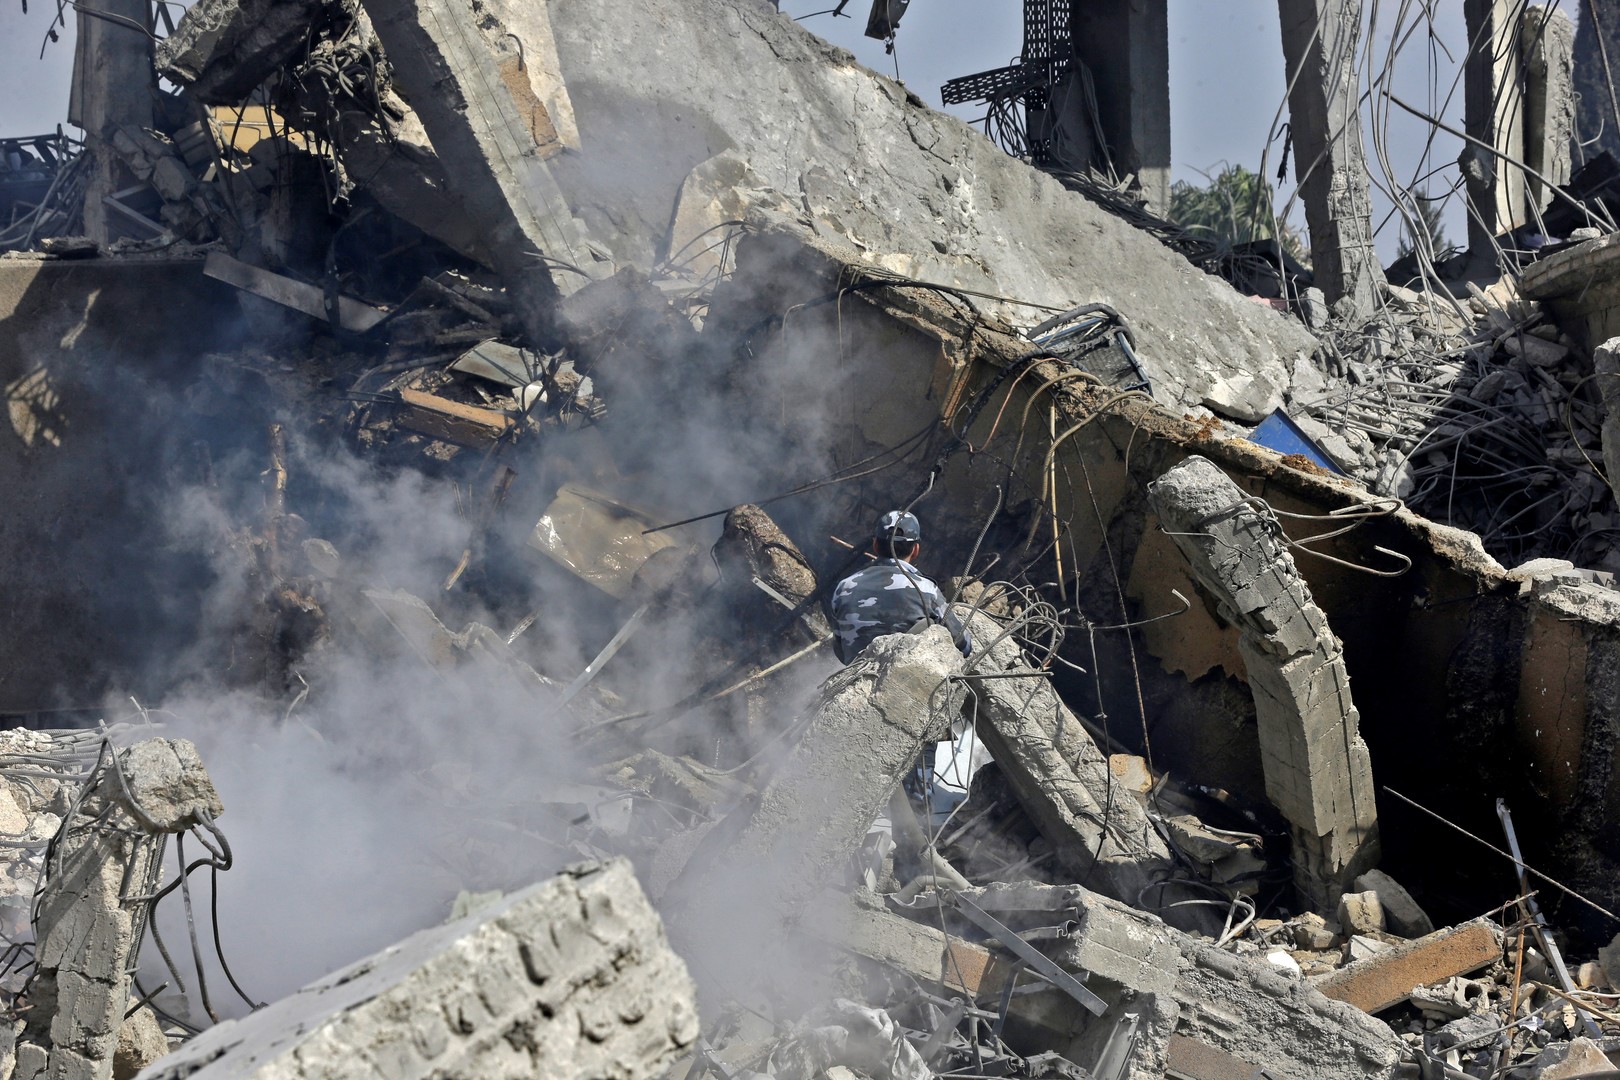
(1387, 979)
(1402, 916)
(1361, 913)
(568, 978)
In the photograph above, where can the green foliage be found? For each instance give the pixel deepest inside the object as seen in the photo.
(1235, 207)
(1428, 213)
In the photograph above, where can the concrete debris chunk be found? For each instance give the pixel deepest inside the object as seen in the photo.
(1099, 831)
(1207, 1004)
(764, 863)
(168, 790)
(1376, 983)
(1316, 765)
(222, 49)
(140, 1042)
(487, 147)
(1402, 915)
(853, 1037)
(1361, 913)
(569, 978)
(1582, 1058)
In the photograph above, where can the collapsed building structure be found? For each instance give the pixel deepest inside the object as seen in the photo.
(528, 253)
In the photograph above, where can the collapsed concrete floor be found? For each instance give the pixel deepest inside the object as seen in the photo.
(384, 456)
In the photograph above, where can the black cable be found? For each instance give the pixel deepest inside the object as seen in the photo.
(828, 480)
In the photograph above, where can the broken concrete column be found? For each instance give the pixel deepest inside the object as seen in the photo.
(1547, 41)
(112, 86)
(487, 147)
(753, 548)
(570, 978)
(1319, 40)
(1597, 59)
(222, 49)
(1125, 44)
(1493, 99)
(1316, 765)
(1097, 828)
(91, 910)
(756, 870)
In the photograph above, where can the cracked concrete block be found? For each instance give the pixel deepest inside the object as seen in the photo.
(757, 869)
(569, 978)
(1099, 830)
(140, 1042)
(1402, 915)
(1388, 978)
(1317, 769)
(1361, 913)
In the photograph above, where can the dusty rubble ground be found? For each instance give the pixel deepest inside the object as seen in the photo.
(446, 422)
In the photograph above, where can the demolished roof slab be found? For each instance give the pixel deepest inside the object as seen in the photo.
(1473, 681)
(658, 88)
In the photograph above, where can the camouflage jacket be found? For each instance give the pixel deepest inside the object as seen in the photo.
(888, 597)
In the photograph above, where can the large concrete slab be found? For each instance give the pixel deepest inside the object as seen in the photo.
(570, 978)
(919, 191)
(487, 147)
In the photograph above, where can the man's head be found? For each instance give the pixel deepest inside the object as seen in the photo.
(897, 535)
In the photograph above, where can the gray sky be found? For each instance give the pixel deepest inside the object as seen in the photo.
(1225, 62)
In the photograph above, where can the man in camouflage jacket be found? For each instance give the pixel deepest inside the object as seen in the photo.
(889, 596)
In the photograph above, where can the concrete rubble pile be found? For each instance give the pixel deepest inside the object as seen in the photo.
(528, 262)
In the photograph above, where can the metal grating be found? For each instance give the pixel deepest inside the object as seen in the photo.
(1000, 82)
